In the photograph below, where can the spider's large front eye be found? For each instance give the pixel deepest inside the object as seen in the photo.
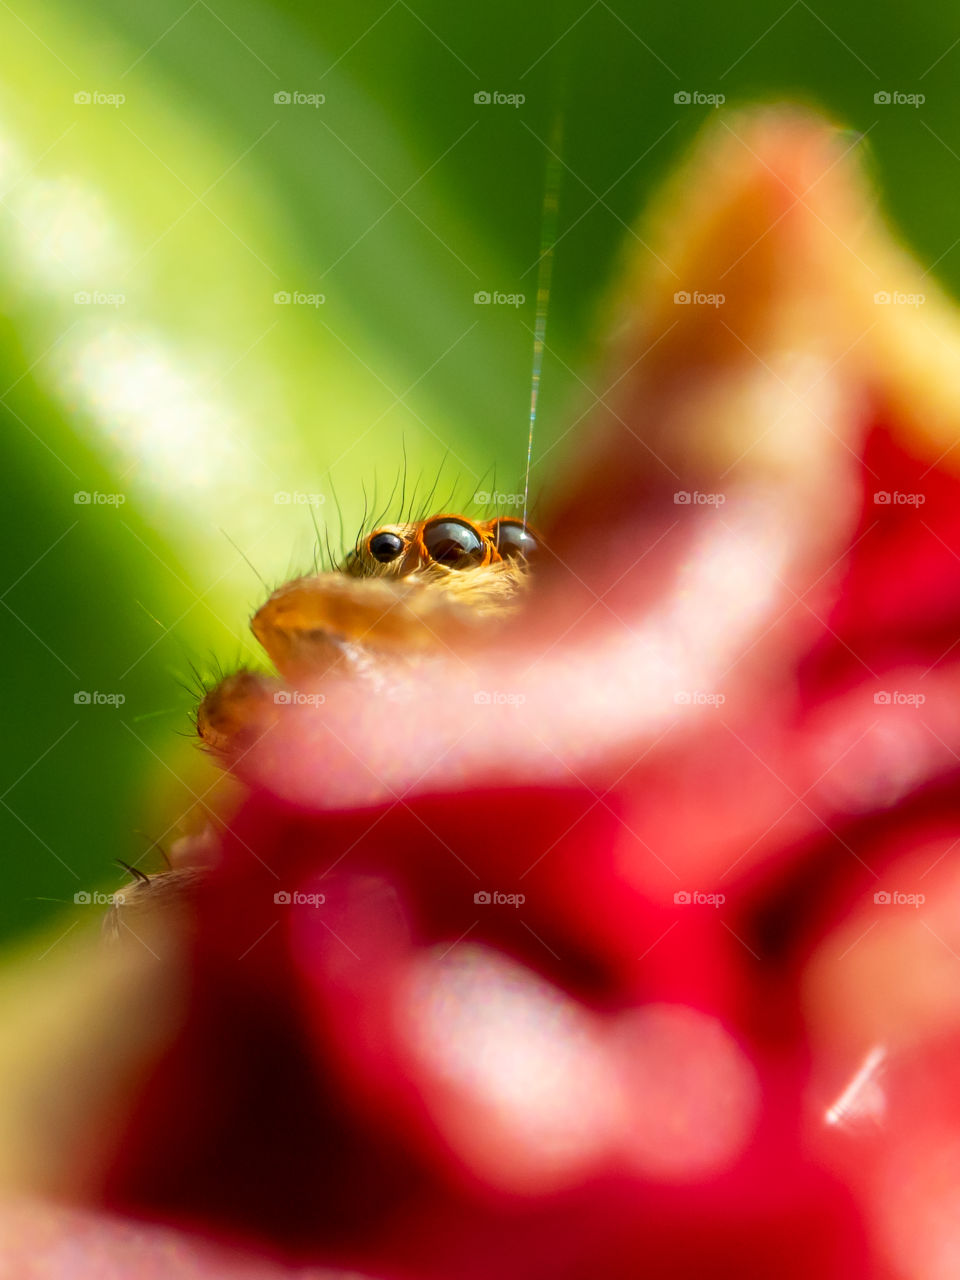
(454, 543)
(385, 546)
(513, 538)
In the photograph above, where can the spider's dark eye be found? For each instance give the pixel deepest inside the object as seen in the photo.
(454, 543)
(385, 546)
(511, 538)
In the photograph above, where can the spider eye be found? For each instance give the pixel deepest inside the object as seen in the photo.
(454, 543)
(512, 538)
(385, 546)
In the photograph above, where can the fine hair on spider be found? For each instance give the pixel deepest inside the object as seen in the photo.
(417, 501)
(205, 682)
(425, 498)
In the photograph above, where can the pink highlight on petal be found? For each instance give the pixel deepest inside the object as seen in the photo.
(513, 1071)
(693, 1095)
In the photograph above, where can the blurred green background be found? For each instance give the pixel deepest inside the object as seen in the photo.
(143, 354)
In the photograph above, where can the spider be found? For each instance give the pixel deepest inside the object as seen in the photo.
(403, 592)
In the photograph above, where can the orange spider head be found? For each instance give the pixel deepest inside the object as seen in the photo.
(405, 590)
